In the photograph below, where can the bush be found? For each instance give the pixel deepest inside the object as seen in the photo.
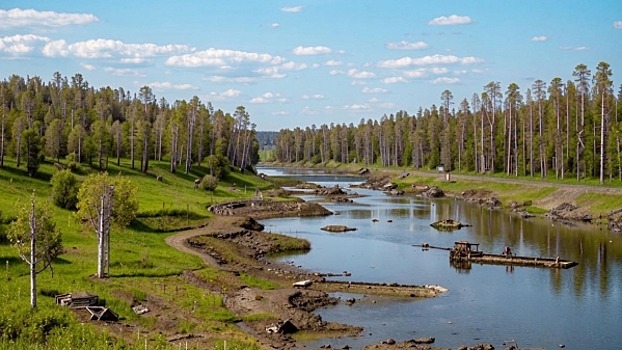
(65, 189)
(209, 183)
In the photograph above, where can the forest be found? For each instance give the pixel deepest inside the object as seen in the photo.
(558, 129)
(68, 121)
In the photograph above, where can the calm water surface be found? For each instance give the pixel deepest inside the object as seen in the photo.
(539, 308)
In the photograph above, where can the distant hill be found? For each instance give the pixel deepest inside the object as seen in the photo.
(266, 139)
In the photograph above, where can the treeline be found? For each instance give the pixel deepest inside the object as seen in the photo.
(68, 119)
(569, 129)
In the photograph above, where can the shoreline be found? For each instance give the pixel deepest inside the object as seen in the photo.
(228, 245)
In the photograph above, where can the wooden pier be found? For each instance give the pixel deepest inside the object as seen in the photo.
(465, 252)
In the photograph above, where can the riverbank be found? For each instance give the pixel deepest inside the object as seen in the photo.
(566, 201)
(235, 246)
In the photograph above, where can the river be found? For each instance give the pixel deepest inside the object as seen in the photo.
(580, 308)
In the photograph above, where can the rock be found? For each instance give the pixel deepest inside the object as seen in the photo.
(337, 228)
(447, 224)
(426, 340)
(389, 341)
(433, 192)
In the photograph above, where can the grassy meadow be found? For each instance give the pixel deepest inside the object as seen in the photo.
(142, 265)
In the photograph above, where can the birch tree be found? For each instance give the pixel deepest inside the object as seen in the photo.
(37, 240)
(102, 201)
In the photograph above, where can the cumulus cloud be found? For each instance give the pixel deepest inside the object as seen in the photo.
(368, 90)
(336, 72)
(32, 18)
(223, 79)
(356, 107)
(21, 44)
(221, 96)
(577, 48)
(394, 80)
(539, 38)
(268, 97)
(446, 80)
(451, 20)
(313, 97)
(407, 45)
(167, 85)
(275, 25)
(221, 58)
(357, 74)
(333, 63)
(311, 50)
(617, 24)
(292, 9)
(294, 66)
(123, 72)
(427, 60)
(106, 48)
(87, 66)
(270, 72)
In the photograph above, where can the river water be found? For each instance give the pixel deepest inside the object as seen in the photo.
(580, 308)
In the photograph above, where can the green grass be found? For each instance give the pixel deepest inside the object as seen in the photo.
(142, 265)
(257, 282)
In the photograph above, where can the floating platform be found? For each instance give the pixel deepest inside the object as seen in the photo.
(464, 253)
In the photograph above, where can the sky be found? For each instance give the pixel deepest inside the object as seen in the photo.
(310, 62)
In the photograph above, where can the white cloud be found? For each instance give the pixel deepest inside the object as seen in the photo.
(292, 9)
(333, 63)
(394, 80)
(311, 50)
(415, 74)
(446, 80)
(578, 48)
(617, 24)
(356, 107)
(134, 60)
(368, 90)
(294, 66)
(275, 25)
(357, 74)
(221, 58)
(221, 96)
(280, 113)
(539, 38)
(426, 60)
(336, 72)
(407, 45)
(268, 97)
(313, 97)
(124, 72)
(439, 70)
(87, 66)
(21, 44)
(451, 20)
(237, 80)
(270, 72)
(105, 48)
(166, 85)
(31, 18)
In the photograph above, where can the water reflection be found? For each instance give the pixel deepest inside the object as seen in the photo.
(580, 307)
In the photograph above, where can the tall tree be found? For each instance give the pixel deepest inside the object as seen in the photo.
(102, 201)
(37, 240)
(602, 90)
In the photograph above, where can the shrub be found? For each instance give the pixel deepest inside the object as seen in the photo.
(209, 182)
(65, 189)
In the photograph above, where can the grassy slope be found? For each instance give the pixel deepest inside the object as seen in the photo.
(141, 262)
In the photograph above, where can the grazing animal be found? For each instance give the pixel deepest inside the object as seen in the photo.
(159, 178)
(196, 183)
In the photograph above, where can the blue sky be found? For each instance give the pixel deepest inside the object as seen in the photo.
(310, 62)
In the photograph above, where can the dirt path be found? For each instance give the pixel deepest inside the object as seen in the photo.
(178, 241)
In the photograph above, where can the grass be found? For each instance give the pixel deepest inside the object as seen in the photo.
(143, 266)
